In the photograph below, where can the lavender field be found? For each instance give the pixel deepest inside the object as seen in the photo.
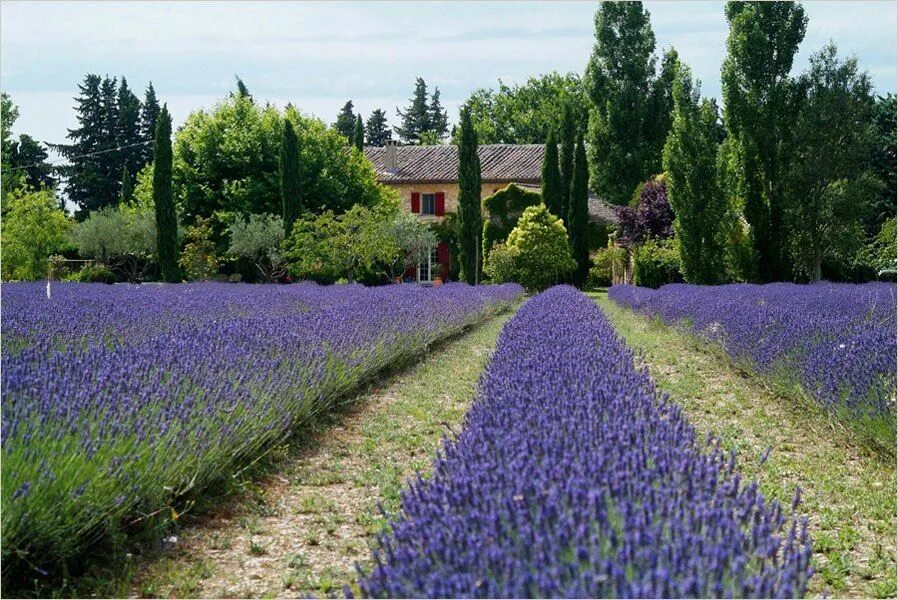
(573, 477)
(836, 341)
(119, 400)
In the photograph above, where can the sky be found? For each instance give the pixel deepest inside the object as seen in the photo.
(318, 55)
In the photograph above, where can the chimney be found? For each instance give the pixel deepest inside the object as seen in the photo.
(390, 160)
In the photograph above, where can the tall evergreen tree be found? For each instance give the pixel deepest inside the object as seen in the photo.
(376, 131)
(553, 196)
(884, 161)
(470, 217)
(568, 135)
(290, 177)
(358, 134)
(578, 214)
(439, 118)
(10, 180)
(345, 122)
(690, 160)
(166, 218)
(29, 158)
(760, 109)
(87, 182)
(127, 186)
(415, 120)
(149, 112)
(128, 136)
(624, 149)
(242, 90)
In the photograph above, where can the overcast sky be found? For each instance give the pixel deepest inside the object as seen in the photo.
(318, 55)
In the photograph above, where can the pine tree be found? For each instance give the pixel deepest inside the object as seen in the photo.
(376, 131)
(29, 158)
(358, 134)
(578, 214)
(149, 112)
(290, 177)
(128, 136)
(345, 122)
(166, 218)
(439, 118)
(85, 181)
(242, 90)
(127, 186)
(690, 160)
(470, 218)
(551, 179)
(415, 118)
(566, 158)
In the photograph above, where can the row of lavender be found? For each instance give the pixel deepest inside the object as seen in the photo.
(116, 400)
(573, 478)
(837, 340)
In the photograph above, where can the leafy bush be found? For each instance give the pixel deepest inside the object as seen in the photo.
(504, 208)
(604, 264)
(34, 227)
(656, 263)
(414, 239)
(198, 260)
(94, 274)
(122, 237)
(536, 254)
(651, 218)
(258, 238)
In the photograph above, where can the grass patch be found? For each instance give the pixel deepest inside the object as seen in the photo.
(848, 490)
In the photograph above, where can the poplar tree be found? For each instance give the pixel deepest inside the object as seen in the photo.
(166, 219)
(470, 220)
(566, 158)
(551, 179)
(578, 214)
(690, 161)
(290, 177)
(358, 134)
(760, 109)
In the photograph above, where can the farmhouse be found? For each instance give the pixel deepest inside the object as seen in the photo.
(426, 178)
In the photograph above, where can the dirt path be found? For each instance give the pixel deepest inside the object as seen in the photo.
(848, 494)
(302, 530)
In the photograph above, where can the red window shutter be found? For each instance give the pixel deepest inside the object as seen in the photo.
(416, 202)
(443, 259)
(440, 208)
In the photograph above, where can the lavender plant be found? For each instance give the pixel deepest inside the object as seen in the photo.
(837, 341)
(572, 477)
(118, 400)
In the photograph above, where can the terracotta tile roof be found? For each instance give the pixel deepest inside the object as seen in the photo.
(439, 164)
(599, 210)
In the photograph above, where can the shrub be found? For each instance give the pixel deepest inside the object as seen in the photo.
(121, 237)
(504, 208)
(34, 227)
(94, 274)
(198, 260)
(604, 264)
(536, 254)
(500, 267)
(258, 238)
(652, 216)
(656, 263)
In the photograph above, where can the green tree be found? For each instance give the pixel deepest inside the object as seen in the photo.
(439, 117)
(242, 90)
(578, 215)
(149, 112)
(127, 186)
(416, 118)
(884, 160)
(829, 180)
(376, 131)
(290, 177)
(568, 131)
(760, 109)
(122, 237)
(11, 179)
(28, 158)
(258, 238)
(414, 239)
(34, 228)
(525, 113)
(470, 217)
(552, 193)
(624, 132)
(504, 208)
(198, 260)
(536, 254)
(690, 161)
(163, 200)
(358, 134)
(127, 131)
(345, 122)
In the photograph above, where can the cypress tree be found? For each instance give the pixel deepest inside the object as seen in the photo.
(470, 219)
(166, 219)
(376, 130)
(290, 198)
(358, 134)
(551, 189)
(127, 187)
(578, 214)
(566, 158)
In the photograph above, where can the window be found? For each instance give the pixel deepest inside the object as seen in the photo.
(428, 204)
